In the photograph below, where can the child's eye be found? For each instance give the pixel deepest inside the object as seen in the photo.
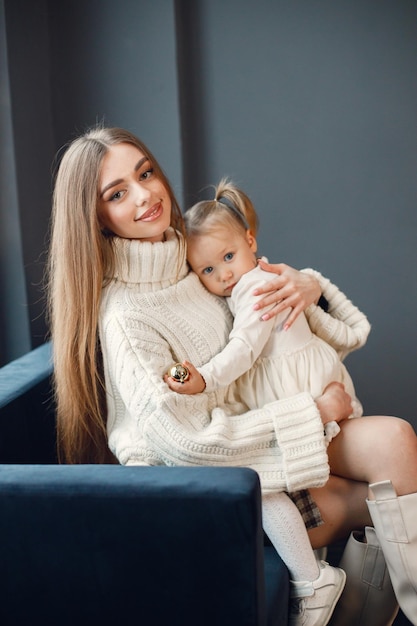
(229, 256)
(207, 270)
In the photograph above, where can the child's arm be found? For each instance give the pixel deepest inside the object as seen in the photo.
(195, 383)
(246, 342)
(247, 338)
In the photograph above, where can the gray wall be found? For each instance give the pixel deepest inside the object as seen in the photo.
(310, 106)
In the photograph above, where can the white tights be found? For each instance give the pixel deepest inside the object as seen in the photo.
(286, 530)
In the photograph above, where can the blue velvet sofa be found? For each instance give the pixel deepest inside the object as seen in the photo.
(106, 544)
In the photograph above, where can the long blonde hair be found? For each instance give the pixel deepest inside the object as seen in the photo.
(80, 257)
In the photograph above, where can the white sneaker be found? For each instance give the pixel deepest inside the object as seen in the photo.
(312, 603)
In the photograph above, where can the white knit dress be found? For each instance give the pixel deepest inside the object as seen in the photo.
(154, 312)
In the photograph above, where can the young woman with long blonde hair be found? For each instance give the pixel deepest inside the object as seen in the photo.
(124, 306)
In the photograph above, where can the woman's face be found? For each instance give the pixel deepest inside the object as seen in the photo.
(133, 202)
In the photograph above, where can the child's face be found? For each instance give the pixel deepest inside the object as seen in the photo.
(134, 202)
(220, 259)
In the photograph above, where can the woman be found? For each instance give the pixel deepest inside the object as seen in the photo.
(124, 307)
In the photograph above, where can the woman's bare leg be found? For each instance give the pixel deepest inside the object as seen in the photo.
(342, 504)
(367, 450)
(376, 448)
(380, 450)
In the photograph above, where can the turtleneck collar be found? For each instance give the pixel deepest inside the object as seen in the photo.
(150, 266)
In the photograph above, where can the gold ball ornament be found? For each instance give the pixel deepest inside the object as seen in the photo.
(179, 372)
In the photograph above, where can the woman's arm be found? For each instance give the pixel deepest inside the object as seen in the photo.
(282, 441)
(331, 315)
(290, 288)
(344, 327)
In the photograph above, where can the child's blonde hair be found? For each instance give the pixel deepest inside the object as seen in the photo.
(231, 206)
(81, 256)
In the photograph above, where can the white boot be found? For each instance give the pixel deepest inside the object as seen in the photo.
(395, 522)
(312, 602)
(368, 598)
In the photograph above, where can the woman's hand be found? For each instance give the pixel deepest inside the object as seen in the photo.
(195, 383)
(335, 404)
(291, 288)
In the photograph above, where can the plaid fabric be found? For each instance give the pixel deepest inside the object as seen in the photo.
(308, 508)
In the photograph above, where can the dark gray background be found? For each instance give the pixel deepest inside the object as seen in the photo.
(310, 106)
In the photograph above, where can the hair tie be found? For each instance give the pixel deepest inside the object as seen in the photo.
(234, 210)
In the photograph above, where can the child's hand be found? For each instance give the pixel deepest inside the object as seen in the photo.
(194, 383)
(335, 404)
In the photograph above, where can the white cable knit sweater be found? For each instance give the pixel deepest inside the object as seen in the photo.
(154, 312)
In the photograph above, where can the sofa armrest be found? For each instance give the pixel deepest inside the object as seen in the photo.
(27, 412)
(97, 544)
(24, 373)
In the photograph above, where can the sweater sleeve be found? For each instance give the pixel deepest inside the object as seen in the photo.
(344, 326)
(282, 441)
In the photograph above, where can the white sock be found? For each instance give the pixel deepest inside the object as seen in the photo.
(285, 528)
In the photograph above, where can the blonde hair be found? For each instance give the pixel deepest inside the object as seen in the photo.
(231, 206)
(80, 257)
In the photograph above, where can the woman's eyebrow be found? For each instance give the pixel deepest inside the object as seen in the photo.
(140, 163)
(120, 180)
